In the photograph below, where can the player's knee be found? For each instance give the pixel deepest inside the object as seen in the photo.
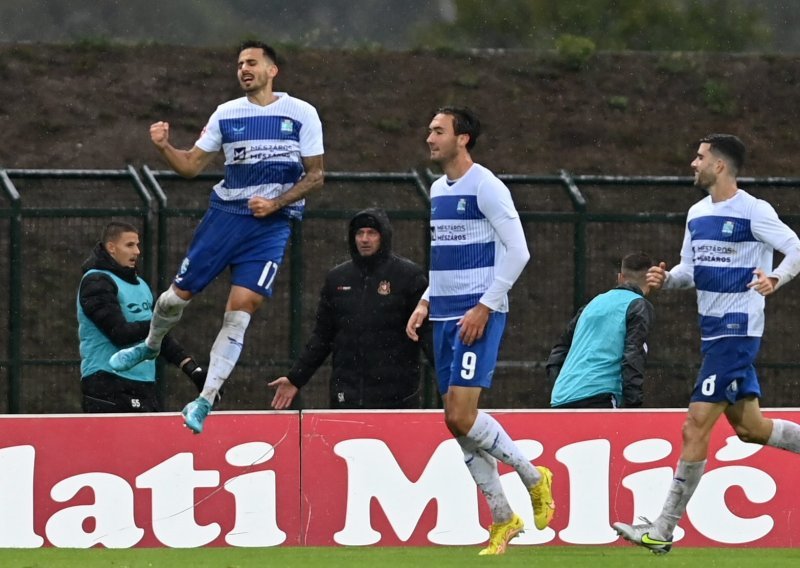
(693, 431)
(170, 304)
(689, 429)
(457, 422)
(751, 434)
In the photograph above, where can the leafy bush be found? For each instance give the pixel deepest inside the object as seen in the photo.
(574, 52)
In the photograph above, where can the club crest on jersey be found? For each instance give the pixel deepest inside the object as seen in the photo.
(727, 228)
(462, 206)
(287, 126)
(384, 288)
(240, 153)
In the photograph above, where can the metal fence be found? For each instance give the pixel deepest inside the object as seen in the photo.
(578, 227)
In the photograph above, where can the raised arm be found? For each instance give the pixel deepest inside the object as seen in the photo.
(187, 163)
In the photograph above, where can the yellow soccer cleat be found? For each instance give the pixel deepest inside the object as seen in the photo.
(501, 533)
(542, 499)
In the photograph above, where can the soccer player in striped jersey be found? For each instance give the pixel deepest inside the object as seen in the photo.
(478, 250)
(273, 158)
(727, 256)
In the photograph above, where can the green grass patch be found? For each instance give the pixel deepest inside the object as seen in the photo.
(457, 556)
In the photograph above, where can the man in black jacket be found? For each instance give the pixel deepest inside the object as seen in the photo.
(599, 360)
(361, 317)
(114, 311)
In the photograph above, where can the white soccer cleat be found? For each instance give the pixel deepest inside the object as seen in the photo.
(642, 536)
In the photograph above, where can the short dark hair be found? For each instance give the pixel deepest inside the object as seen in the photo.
(728, 146)
(464, 122)
(269, 51)
(114, 229)
(636, 264)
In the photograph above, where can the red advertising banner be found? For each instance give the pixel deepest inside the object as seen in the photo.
(369, 478)
(125, 480)
(399, 479)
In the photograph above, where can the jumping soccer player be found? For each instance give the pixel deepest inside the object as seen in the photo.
(273, 159)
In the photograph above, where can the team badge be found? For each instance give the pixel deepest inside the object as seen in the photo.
(462, 206)
(727, 228)
(384, 288)
(287, 126)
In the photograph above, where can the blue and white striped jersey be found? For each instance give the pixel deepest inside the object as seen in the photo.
(264, 147)
(478, 248)
(723, 244)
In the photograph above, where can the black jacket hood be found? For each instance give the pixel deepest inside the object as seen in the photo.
(378, 220)
(99, 259)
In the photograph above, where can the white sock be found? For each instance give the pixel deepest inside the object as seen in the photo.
(489, 436)
(166, 313)
(483, 469)
(785, 435)
(687, 476)
(225, 352)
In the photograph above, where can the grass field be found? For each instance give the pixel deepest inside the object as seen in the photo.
(547, 556)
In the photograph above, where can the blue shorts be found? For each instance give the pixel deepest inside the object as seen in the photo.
(252, 247)
(466, 365)
(727, 372)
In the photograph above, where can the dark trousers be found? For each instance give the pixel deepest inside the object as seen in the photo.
(605, 400)
(106, 392)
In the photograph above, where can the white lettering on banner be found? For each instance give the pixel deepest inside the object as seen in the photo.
(707, 509)
(16, 498)
(712, 517)
(112, 511)
(588, 492)
(173, 482)
(373, 473)
(254, 493)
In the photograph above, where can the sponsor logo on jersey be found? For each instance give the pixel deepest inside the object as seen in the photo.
(240, 153)
(448, 232)
(384, 288)
(138, 308)
(727, 228)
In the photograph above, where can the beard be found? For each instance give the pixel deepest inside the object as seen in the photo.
(704, 181)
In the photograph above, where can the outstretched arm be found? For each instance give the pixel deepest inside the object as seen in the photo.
(313, 355)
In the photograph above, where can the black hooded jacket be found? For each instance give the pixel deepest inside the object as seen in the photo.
(98, 298)
(361, 318)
